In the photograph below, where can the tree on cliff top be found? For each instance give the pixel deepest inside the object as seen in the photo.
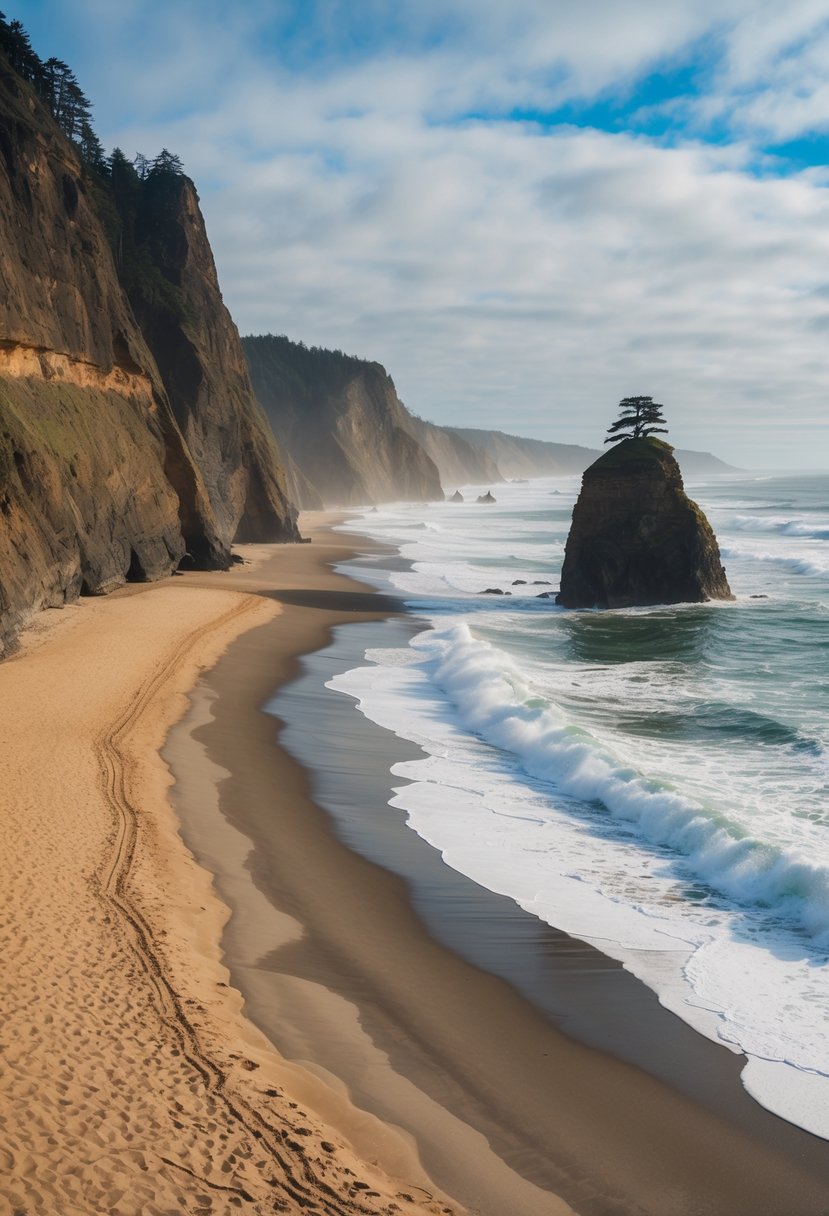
(638, 419)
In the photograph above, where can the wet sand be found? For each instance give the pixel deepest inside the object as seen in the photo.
(435, 1006)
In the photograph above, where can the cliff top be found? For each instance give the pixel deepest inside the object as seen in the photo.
(632, 451)
(306, 371)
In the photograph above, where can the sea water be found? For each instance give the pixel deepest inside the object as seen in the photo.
(654, 781)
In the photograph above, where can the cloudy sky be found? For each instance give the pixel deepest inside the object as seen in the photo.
(525, 209)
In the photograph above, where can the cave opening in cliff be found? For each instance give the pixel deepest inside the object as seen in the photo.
(136, 572)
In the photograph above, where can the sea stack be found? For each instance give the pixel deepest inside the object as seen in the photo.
(636, 538)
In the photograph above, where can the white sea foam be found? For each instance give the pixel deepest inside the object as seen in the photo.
(494, 701)
(800, 564)
(672, 807)
(799, 527)
(573, 866)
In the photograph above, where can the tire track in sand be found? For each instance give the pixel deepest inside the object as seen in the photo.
(294, 1177)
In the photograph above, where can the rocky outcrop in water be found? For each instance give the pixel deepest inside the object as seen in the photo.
(636, 538)
(98, 484)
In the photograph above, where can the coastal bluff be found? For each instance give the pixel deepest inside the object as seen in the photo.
(130, 439)
(348, 437)
(636, 538)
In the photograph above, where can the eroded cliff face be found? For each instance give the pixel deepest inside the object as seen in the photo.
(458, 461)
(199, 355)
(636, 538)
(84, 499)
(97, 483)
(525, 458)
(342, 424)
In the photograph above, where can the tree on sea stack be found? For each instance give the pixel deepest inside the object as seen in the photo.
(638, 419)
(636, 537)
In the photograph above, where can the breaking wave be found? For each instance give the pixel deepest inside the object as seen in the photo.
(812, 530)
(799, 564)
(494, 700)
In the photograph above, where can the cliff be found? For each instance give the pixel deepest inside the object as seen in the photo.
(199, 355)
(636, 538)
(519, 457)
(459, 462)
(347, 438)
(97, 482)
(342, 424)
(516, 456)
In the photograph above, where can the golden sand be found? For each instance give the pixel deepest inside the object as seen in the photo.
(131, 1082)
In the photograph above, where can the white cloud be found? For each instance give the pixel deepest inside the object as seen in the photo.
(505, 274)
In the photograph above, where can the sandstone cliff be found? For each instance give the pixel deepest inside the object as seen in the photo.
(97, 482)
(636, 538)
(199, 355)
(342, 424)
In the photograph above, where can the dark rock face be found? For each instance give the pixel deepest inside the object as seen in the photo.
(199, 355)
(456, 497)
(98, 485)
(343, 426)
(85, 427)
(636, 538)
(487, 498)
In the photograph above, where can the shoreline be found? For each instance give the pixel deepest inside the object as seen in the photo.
(274, 1029)
(368, 962)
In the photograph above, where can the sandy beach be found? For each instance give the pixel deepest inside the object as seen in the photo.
(130, 1080)
(321, 1050)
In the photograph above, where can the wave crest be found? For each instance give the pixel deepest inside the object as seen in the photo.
(783, 526)
(495, 702)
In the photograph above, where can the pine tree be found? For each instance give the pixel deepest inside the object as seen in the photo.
(167, 162)
(17, 46)
(638, 419)
(92, 150)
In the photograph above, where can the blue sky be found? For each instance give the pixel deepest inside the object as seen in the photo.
(525, 210)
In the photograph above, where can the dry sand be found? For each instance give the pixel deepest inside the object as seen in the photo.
(130, 1082)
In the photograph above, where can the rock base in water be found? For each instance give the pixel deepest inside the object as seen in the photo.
(636, 538)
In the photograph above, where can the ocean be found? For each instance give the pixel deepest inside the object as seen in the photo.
(652, 781)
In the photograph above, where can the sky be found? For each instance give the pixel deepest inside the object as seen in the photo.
(524, 209)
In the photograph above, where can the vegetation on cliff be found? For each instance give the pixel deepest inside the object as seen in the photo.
(132, 198)
(129, 435)
(55, 84)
